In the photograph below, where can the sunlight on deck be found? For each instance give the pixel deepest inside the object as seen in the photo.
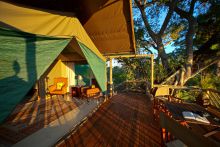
(126, 119)
(29, 117)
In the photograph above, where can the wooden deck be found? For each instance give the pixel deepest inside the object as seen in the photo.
(124, 120)
(29, 117)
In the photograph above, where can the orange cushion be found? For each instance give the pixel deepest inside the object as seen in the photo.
(59, 85)
(92, 91)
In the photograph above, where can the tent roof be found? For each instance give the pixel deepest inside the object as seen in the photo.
(49, 23)
(108, 22)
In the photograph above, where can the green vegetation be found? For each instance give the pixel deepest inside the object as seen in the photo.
(191, 28)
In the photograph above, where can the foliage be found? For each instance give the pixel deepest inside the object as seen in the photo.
(206, 80)
(194, 81)
(188, 96)
(136, 68)
(207, 16)
(208, 24)
(119, 75)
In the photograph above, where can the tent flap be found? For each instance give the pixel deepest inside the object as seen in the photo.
(97, 65)
(48, 23)
(24, 58)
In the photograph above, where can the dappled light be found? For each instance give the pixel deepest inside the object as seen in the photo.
(31, 116)
(126, 119)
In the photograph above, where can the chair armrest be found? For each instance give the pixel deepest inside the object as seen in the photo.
(52, 88)
(84, 89)
(64, 89)
(176, 99)
(214, 111)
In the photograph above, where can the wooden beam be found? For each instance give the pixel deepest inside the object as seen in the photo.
(71, 57)
(129, 56)
(178, 87)
(138, 56)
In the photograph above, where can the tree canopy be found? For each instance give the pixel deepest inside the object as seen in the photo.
(191, 28)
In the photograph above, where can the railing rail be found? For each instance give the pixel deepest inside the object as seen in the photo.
(213, 96)
(205, 97)
(134, 85)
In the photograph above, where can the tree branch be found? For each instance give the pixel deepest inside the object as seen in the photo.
(144, 17)
(153, 45)
(167, 43)
(144, 3)
(192, 5)
(200, 70)
(181, 13)
(148, 50)
(167, 19)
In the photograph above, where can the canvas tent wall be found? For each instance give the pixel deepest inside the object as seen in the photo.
(48, 23)
(109, 23)
(32, 41)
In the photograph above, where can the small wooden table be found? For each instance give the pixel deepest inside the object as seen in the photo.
(175, 110)
(76, 91)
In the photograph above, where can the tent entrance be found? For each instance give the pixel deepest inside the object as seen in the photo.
(25, 56)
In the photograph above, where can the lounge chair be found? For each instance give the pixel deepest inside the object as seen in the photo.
(59, 87)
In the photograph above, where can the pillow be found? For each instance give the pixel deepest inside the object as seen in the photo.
(59, 85)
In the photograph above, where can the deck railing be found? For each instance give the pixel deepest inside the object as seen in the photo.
(209, 96)
(141, 86)
(205, 97)
(213, 96)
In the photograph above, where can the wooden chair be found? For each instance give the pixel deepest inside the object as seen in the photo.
(59, 87)
(162, 94)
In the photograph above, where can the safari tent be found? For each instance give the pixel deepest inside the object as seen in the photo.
(41, 39)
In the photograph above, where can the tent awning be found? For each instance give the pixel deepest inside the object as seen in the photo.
(109, 23)
(48, 23)
(110, 26)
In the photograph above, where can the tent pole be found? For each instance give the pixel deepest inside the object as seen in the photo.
(152, 70)
(130, 56)
(110, 78)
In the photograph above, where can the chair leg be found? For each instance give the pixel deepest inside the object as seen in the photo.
(163, 136)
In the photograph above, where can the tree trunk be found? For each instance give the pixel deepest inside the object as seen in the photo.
(157, 38)
(218, 69)
(181, 80)
(189, 46)
(162, 54)
(192, 22)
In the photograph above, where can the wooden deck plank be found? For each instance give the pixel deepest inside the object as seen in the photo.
(125, 120)
(29, 117)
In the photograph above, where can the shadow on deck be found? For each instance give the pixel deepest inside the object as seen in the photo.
(126, 119)
(29, 117)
